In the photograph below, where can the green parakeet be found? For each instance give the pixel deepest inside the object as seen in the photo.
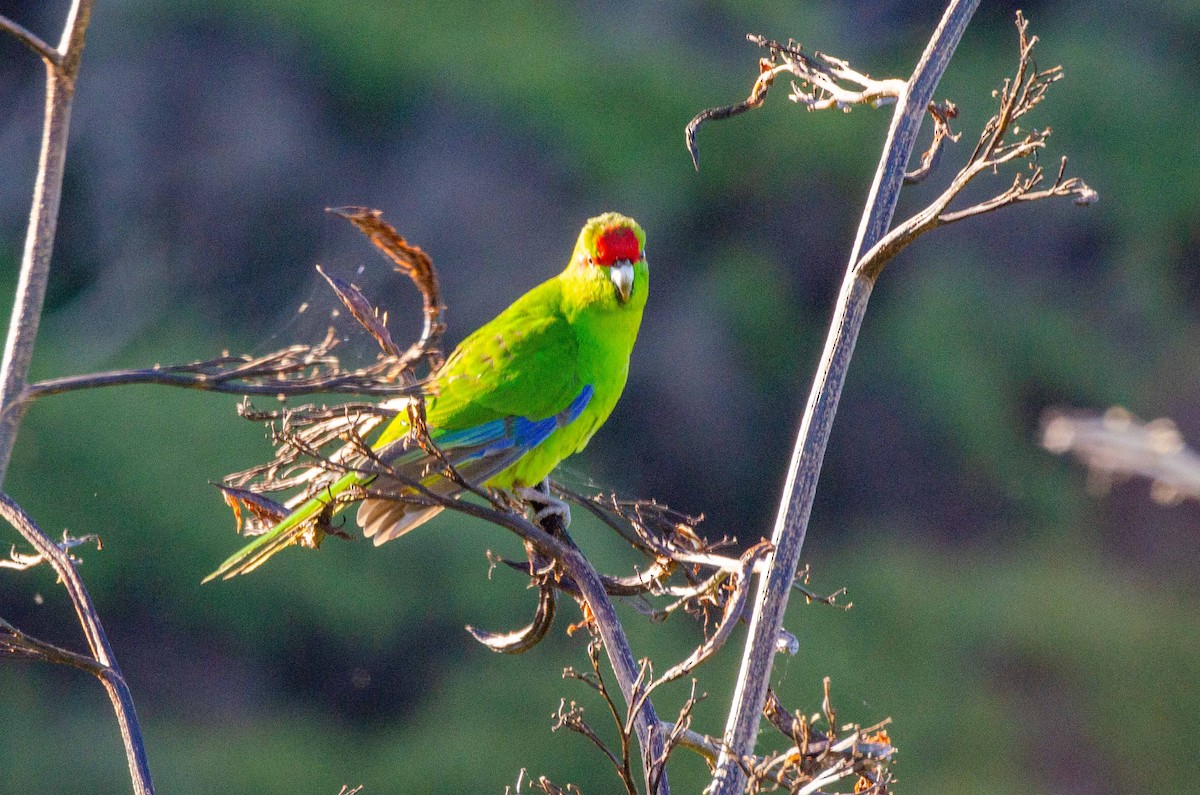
(520, 394)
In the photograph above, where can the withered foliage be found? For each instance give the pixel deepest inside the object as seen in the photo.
(822, 751)
(824, 82)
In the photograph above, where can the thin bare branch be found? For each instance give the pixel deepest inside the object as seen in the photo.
(14, 641)
(816, 759)
(825, 82)
(800, 488)
(304, 369)
(1017, 96)
(941, 113)
(290, 372)
(62, 69)
(572, 718)
(51, 56)
(21, 561)
(758, 94)
(43, 220)
(739, 586)
(110, 674)
(675, 735)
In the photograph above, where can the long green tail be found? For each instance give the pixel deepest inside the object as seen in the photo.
(258, 551)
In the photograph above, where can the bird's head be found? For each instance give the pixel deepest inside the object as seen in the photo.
(610, 261)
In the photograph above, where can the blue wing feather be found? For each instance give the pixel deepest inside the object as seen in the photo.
(517, 434)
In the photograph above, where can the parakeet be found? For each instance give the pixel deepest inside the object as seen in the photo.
(516, 397)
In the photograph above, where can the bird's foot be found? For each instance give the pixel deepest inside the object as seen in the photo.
(545, 504)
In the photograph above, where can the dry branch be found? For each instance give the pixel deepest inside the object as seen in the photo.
(291, 371)
(20, 561)
(804, 470)
(105, 662)
(825, 82)
(62, 68)
(1000, 143)
(815, 760)
(307, 369)
(828, 82)
(50, 55)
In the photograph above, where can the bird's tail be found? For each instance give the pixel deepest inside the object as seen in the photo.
(299, 521)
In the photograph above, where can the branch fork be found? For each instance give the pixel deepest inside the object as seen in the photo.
(826, 82)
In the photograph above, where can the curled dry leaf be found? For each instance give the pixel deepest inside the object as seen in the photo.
(413, 263)
(366, 314)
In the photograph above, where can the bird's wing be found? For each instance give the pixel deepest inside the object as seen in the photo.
(524, 363)
(503, 391)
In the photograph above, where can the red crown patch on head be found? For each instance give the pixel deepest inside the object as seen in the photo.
(615, 244)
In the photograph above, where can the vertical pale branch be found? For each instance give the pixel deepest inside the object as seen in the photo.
(797, 500)
(62, 67)
(108, 672)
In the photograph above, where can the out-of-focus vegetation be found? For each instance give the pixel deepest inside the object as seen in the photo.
(1024, 635)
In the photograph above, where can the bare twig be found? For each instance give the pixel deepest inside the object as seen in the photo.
(572, 718)
(292, 371)
(942, 113)
(796, 503)
(305, 369)
(675, 733)
(14, 641)
(21, 561)
(107, 671)
(825, 82)
(734, 605)
(1017, 96)
(62, 69)
(541, 783)
(823, 85)
(47, 53)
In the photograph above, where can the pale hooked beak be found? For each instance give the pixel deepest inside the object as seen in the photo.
(621, 274)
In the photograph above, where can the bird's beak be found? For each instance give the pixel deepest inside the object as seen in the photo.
(621, 274)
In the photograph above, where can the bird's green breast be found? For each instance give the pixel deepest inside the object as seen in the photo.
(605, 333)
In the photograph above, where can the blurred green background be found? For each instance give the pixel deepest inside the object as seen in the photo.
(1025, 635)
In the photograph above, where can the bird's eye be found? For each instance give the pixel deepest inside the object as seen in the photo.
(591, 261)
